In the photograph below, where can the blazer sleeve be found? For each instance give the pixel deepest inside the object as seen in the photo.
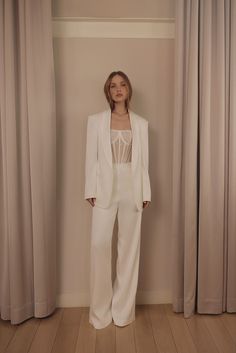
(145, 162)
(91, 158)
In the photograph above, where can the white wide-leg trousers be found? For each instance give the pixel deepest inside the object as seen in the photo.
(117, 302)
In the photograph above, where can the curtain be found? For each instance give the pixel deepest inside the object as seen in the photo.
(27, 161)
(204, 162)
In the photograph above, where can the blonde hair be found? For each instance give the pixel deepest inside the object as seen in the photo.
(107, 89)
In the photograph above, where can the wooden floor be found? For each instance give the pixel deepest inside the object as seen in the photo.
(156, 329)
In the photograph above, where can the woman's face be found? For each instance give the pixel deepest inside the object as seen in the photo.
(119, 89)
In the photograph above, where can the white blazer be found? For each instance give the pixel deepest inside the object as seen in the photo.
(98, 162)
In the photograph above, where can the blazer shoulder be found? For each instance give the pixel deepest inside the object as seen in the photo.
(143, 121)
(97, 115)
(95, 118)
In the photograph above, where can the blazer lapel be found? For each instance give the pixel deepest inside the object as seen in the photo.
(106, 137)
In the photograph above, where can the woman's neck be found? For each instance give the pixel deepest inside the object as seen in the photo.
(120, 109)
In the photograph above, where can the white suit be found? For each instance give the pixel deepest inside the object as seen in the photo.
(119, 189)
(98, 168)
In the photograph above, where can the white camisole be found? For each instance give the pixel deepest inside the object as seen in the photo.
(121, 143)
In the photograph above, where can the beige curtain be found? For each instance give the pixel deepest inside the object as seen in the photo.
(204, 166)
(27, 161)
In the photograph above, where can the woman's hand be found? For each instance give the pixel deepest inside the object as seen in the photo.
(92, 201)
(146, 203)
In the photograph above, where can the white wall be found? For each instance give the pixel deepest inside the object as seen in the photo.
(82, 65)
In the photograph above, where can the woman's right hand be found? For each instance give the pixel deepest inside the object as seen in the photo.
(92, 201)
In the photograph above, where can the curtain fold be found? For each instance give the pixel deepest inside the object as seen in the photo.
(204, 165)
(28, 161)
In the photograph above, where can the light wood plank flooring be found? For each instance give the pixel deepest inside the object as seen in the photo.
(156, 329)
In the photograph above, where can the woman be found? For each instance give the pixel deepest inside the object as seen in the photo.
(116, 183)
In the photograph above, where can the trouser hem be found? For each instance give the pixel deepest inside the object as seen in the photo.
(98, 327)
(123, 322)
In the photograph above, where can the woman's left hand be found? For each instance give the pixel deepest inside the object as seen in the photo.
(146, 203)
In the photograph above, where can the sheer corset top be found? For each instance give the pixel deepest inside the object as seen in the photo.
(121, 143)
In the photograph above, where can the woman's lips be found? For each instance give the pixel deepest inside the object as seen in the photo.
(119, 95)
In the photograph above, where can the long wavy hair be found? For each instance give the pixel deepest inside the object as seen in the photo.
(108, 93)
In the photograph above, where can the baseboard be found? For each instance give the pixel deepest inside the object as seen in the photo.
(143, 297)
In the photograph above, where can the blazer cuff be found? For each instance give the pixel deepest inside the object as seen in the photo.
(146, 186)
